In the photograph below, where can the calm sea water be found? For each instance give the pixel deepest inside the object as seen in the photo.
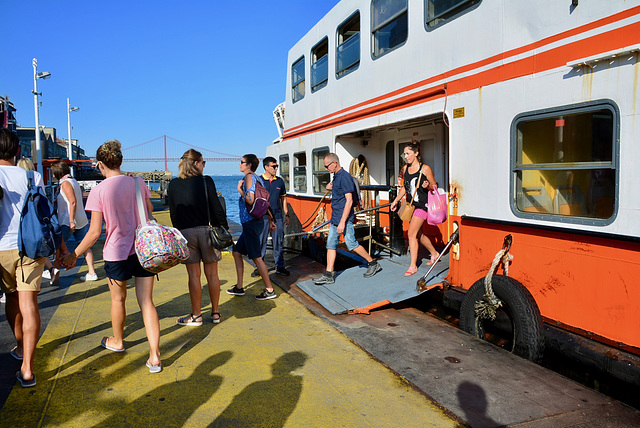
(228, 186)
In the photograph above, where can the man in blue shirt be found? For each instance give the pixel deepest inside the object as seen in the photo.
(342, 219)
(278, 202)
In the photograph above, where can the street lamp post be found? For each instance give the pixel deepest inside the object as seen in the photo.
(36, 76)
(70, 147)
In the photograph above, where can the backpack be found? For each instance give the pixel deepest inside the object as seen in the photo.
(157, 246)
(39, 233)
(261, 203)
(356, 193)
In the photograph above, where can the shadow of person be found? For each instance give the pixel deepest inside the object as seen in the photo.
(473, 402)
(267, 403)
(179, 400)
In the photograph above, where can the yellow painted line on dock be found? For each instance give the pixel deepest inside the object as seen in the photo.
(268, 363)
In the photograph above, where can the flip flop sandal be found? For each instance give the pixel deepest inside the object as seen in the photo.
(433, 260)
(191, 320)
(14, 354)
(216, 321)
(25, 383)
(105, 344)
(154, 368)
(410, 272)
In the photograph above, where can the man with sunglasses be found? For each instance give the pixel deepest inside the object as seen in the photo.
(342, 219)
(278, 202)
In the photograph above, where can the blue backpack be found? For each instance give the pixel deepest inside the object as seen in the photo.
(39, 234)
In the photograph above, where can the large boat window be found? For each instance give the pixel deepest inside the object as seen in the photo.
(320, 65)
(300, 172)
(438, 12)
(565, 163)
(388, 25)
(297, 79)
(321, 176)
(284, 171)
(348, 51)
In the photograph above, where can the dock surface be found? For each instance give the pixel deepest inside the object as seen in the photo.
(281, 362)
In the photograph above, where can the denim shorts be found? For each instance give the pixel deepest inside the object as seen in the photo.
(122, 270)
(349, 237)
(249, 243)
(78, 234)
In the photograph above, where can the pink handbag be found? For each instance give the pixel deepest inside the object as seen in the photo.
(436, 207)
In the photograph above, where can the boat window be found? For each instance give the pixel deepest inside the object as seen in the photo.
(565, 163)
(438, 12)
(284, 171)
(348, 51)
(300, 172)
(321, 176)
(320, 65)
(388, 25)
(297, 79)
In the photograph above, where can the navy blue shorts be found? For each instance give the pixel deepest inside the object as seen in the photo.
(123, 270)
(249, 243)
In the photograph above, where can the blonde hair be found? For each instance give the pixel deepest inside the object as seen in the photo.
(110, 154)
(25, 163)
(187, 166)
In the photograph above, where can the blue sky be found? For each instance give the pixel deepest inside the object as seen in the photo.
(208, 73)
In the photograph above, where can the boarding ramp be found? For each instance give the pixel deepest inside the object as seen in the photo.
(351, 293)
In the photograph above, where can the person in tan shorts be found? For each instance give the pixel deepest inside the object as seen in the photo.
(19, 279)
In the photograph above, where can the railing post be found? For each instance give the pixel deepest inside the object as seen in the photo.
(396, 233)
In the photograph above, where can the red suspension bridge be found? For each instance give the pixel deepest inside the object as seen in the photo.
(169, 149)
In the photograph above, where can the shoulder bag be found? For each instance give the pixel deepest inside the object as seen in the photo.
(220, 237)
(406, 209)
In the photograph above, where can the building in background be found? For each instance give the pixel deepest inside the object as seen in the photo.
(7, 117)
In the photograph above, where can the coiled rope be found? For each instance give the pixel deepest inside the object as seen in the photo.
(359, 169)
(488, 306)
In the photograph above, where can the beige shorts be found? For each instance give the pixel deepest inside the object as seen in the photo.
(25, 275)
(200, 247)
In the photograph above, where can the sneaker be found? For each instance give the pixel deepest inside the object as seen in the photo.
(326, 278)
(374, 268)
(89, 277)
(235, 291)
(55, 275)
(255, 273)
(266, 295)
(3, 299)
(282, 271)
(46, 274)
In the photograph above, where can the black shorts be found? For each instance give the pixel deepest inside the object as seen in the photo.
(123, 270)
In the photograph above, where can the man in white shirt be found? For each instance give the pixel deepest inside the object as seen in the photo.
(19, 280)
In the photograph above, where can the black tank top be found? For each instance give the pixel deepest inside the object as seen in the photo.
(410, 182)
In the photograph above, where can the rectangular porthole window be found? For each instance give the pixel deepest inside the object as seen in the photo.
(388, 25)
(300, 172)
(438, 12)
(284, 171)
(321, 176)
(348, 50)
(565, 163)
(297, 79)
(320, 65)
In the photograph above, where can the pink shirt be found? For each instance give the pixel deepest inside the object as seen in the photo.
(115, 198)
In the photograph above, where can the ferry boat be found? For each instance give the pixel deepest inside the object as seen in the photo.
(529, 115)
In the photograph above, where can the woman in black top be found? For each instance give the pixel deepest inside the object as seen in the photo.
(411, 172)
(188, 209)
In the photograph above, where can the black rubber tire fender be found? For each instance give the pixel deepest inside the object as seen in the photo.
(527, 322)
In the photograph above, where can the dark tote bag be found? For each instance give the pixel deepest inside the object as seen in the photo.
(220, 237)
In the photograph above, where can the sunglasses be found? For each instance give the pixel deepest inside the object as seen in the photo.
(245, 162)
(273, 166)
(329, 164)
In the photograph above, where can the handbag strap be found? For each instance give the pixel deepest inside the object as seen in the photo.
(141, 211)
(417, 184)
(206, 196)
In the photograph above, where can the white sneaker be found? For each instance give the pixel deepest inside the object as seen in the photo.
(55, 274)
(46, 274)
(89, 277)
(3, 299)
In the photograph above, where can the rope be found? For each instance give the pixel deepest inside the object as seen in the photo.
(304, 223)
(488, 306)
(361, 172)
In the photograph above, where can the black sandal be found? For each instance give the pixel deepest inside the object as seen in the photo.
(216, 321)
(190, 320)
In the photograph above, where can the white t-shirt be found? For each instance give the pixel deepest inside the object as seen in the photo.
(13, 180)
(63, 205)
